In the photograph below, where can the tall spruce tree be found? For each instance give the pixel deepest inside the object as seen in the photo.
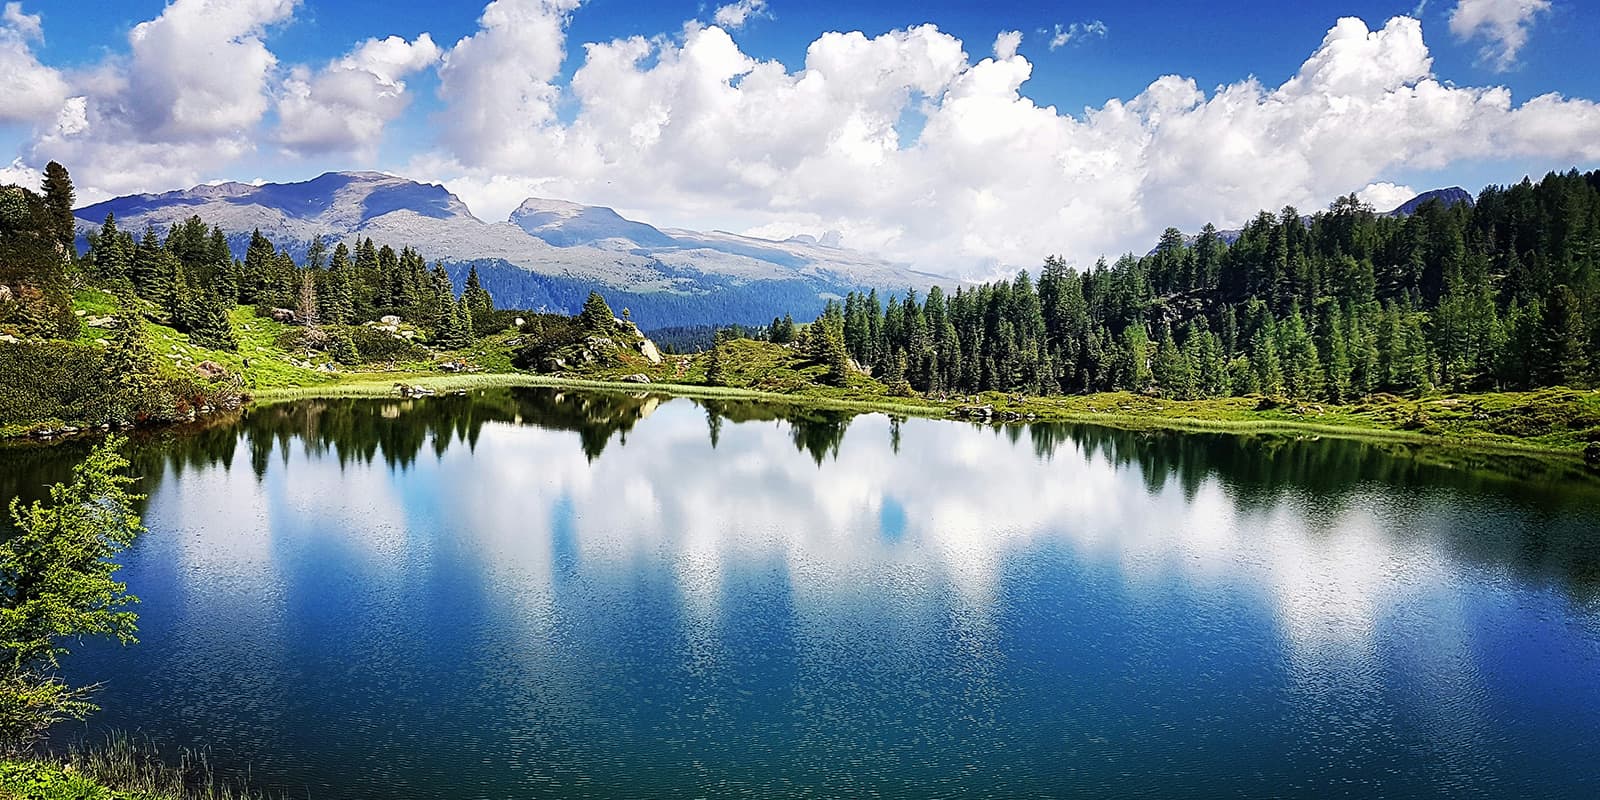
(58, 201)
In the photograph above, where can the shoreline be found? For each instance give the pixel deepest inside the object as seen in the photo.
(1039, 408)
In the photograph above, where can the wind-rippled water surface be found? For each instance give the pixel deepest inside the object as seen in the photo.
(530, 593)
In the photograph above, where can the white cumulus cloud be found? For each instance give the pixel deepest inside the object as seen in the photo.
(1385, 196)
(186, 100)
(344, 106)
(1006, 44)
(736, 15)
(20, 174)
(30, 92)
(498, 82)
(200, 69)
(1505, 25)
(693, 130)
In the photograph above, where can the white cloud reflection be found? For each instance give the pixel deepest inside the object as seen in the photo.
(939, 526)
(965, 500)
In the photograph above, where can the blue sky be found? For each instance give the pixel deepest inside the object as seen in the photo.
(676, 132)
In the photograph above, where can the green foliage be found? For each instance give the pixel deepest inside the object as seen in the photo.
(373, 345)
(478, 299)
(782, 331)
(57, 585)
(544, 335)
(1499, 294)
(596, 315)
(51, 380)
(119, 769)
(37, 301)
(43, 780)
(714, 369)
(58, 201)
(343, 348)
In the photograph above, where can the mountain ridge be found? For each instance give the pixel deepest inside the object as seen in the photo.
(544, 240)
(1449, 196)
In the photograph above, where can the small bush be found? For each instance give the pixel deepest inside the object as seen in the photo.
(543, 335)
(376, 345)
(302, 339)
(494, 321)
(47, 380)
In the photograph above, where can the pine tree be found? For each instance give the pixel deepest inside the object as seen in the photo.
(1564, 342)
(479, 300)
(1171, 369)
(1362, 343)
(208, 323)
(714, 373)
(108, 253)
(179, 302)
(151, 269)
(1302, 369)
(1242, 377)
(1334, 351)
(339, 298)
(1264, 362)
(256, 279)
(1413, 365)
(129, 367)
(317, 253)
(1210, 367)
(1133, 373)
(463, 332)
(894, 378)
(596, 315)
(835, 356)
(58, 201)
(221, 267)
(1521, 355)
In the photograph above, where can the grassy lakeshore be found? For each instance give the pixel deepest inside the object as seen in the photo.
(268, 368)
(1443, 420)
(118, 769)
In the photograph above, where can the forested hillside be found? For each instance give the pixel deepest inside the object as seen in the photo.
(1503, 294)
(1336, 308)
(165, 325)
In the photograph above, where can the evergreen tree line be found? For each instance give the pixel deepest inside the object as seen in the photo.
(1501, 294)
(192, 275)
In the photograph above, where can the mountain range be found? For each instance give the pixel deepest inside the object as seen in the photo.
(548, 254)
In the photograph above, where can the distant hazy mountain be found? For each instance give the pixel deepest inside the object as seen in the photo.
(549, 254)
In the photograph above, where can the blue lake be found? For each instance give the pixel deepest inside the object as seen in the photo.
(531, 593)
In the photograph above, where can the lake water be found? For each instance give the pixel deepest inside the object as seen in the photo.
(530, 593)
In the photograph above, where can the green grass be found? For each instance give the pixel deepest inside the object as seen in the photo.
(118, 770)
